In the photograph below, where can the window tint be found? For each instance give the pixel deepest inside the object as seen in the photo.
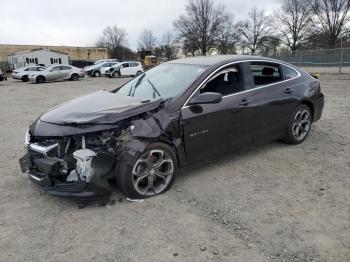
(56, 68)
(126, 65)
(66, 68)
(289, 72)
(133, 64)
(225, 82)
(265, 73)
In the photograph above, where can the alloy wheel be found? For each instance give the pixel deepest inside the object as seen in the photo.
(301, 124)
(152, 172)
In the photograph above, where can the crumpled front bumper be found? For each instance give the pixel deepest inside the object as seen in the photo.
(41, 172)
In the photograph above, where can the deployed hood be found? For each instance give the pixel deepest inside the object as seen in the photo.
(100, 107)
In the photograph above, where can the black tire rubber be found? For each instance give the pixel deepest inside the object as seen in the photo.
(96, 74)
(40, 79)
(289, 137)
(115, 75)
(25, 78)
(75, 77)
(125, 166)
(138, 73)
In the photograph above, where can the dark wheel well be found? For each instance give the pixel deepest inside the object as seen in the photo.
(309, 104)
(40, 77)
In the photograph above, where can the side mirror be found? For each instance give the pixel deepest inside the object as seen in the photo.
(206, 98)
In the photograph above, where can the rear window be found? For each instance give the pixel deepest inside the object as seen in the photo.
(265, 73)
(289, 72)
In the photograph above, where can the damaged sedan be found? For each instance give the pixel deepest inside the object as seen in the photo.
(178, 113)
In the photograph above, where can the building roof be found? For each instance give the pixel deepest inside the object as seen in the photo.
(216, 59)
(39, 49)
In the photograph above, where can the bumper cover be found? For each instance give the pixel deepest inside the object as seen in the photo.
(318, 108)
(41, 171)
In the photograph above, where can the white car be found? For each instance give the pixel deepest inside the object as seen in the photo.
(24, 72)
(128, 68)
(99, 69)
(57, 72)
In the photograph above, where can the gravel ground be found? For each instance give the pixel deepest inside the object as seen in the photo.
(271, 203)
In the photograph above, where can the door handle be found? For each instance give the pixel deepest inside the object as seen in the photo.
(288, 90)
(245, 102)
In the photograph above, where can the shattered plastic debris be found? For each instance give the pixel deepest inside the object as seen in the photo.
(134, 200)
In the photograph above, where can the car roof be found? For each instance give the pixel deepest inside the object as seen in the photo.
(218, 59)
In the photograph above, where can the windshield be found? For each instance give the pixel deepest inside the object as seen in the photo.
(164, 81)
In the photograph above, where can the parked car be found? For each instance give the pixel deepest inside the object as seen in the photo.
(57, 72)
(2, 76)
(99, 69)
(81, 63)
(129, 68)
(178, 113)
(105, 60)
(24, 72)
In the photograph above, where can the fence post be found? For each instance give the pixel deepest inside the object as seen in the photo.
(341, 60)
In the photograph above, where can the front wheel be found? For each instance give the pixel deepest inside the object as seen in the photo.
(40, 79)
(299, 125)
(25, 78)
(115, 74)
(147, 174)
(97, 74)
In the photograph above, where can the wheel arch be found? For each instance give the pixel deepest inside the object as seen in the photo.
(309, 105)
(40, 76)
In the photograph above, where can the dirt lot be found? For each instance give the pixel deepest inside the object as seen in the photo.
(272, 203)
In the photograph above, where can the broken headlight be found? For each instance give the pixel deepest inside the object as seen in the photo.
(27, 139)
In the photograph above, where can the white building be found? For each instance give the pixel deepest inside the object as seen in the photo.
(43, 57)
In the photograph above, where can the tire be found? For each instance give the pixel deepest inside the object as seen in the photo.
(135, 174)
(74, 77)
(299, 125)
(96, 74)
(40, 79)
(115, 74)
(25, 78)
(138, 73)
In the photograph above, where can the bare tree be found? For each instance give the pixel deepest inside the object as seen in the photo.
(169, 45)
(294, 22)
(254, 30)
(113, 37)
(147, 40)
(331, 18)
(228, 36)
(200, 25)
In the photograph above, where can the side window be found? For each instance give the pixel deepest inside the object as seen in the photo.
(226, 82)
(65, 68)
(56, 68)
(289, 72)
(265, 73)
(126, 65)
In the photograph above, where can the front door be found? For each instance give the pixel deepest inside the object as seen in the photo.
(211, 130)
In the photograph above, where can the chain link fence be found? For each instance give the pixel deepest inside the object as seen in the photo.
(335, 59)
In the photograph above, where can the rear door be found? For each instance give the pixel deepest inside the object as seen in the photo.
(271, 98)
(65, 72)
(211, 130)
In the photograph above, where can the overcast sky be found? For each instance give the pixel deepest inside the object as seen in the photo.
(80, 22)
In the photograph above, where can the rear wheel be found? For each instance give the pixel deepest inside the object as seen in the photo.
(147, 174)
(97, 74)
(75, 77)
(40, 79)
(138, 73)
(25, 78)
(299, 125)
